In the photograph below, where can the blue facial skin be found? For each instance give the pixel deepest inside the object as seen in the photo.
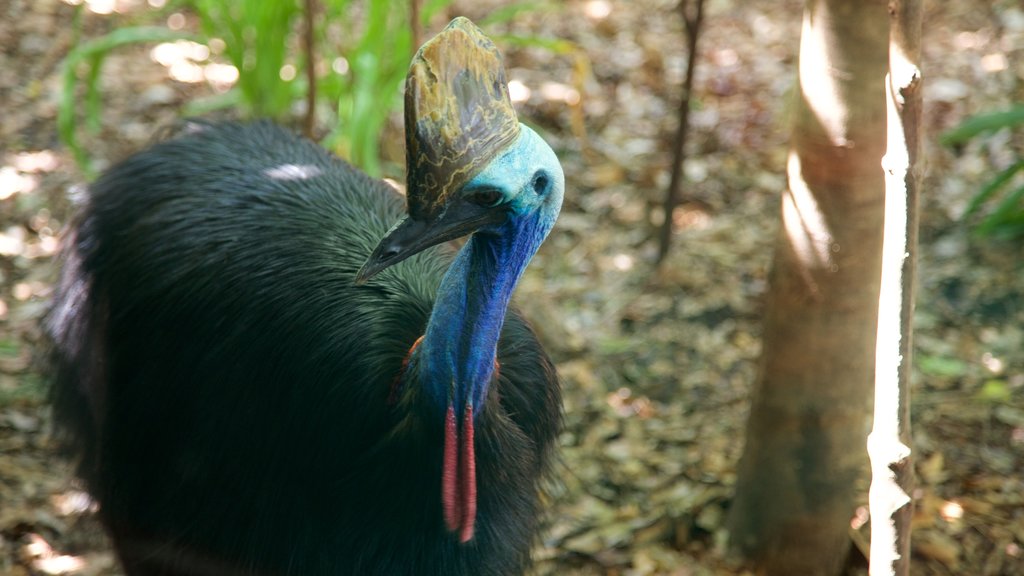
(456, 357)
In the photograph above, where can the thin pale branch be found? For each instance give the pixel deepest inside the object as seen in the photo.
(414, 17)
(309, 46)
(693, 17)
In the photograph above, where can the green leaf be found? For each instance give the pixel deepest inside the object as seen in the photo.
(256, 36)
(508, 13)
(994, 391)
(993, 186)
(941, 366)
(91, 54)
(431, 8)
(616, 345)
(988, 122)
(555, 45)
(10, 348)
(1008, 217)
(207, 104)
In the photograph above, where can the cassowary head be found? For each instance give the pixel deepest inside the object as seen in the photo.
(471, 165)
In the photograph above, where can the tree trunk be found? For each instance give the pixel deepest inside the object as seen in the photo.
(810, 410)
(892, 470)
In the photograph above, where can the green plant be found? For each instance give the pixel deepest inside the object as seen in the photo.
(1007, 217)
(257, 36)
(368, 92)
(371, 39)
(87, 59)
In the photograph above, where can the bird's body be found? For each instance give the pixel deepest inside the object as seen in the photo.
(241, 406)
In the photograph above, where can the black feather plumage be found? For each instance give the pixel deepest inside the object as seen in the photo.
(225, 386)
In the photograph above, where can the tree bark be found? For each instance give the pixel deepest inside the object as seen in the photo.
(796, 484)
(889, 447)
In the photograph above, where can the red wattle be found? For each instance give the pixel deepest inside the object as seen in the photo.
(467, 477)
(450, 501)
(458, 475)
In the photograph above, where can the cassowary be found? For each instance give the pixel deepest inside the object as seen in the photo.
(250, 384)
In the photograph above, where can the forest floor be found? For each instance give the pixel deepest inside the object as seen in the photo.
(657, 366)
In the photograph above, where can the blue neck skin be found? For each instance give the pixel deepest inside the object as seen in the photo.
(456, 358)
(457, 354)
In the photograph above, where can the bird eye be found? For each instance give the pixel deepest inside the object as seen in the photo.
(487, 198)
(540, 183)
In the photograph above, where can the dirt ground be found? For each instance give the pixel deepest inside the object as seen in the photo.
(656, 367)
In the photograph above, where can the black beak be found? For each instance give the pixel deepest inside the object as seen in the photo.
(410, 237)
(458, 117)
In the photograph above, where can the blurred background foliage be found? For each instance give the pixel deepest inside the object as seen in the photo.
(360, 53)
(1001, 199)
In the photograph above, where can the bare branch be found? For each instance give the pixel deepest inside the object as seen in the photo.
(692, 18)
(309, 44)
